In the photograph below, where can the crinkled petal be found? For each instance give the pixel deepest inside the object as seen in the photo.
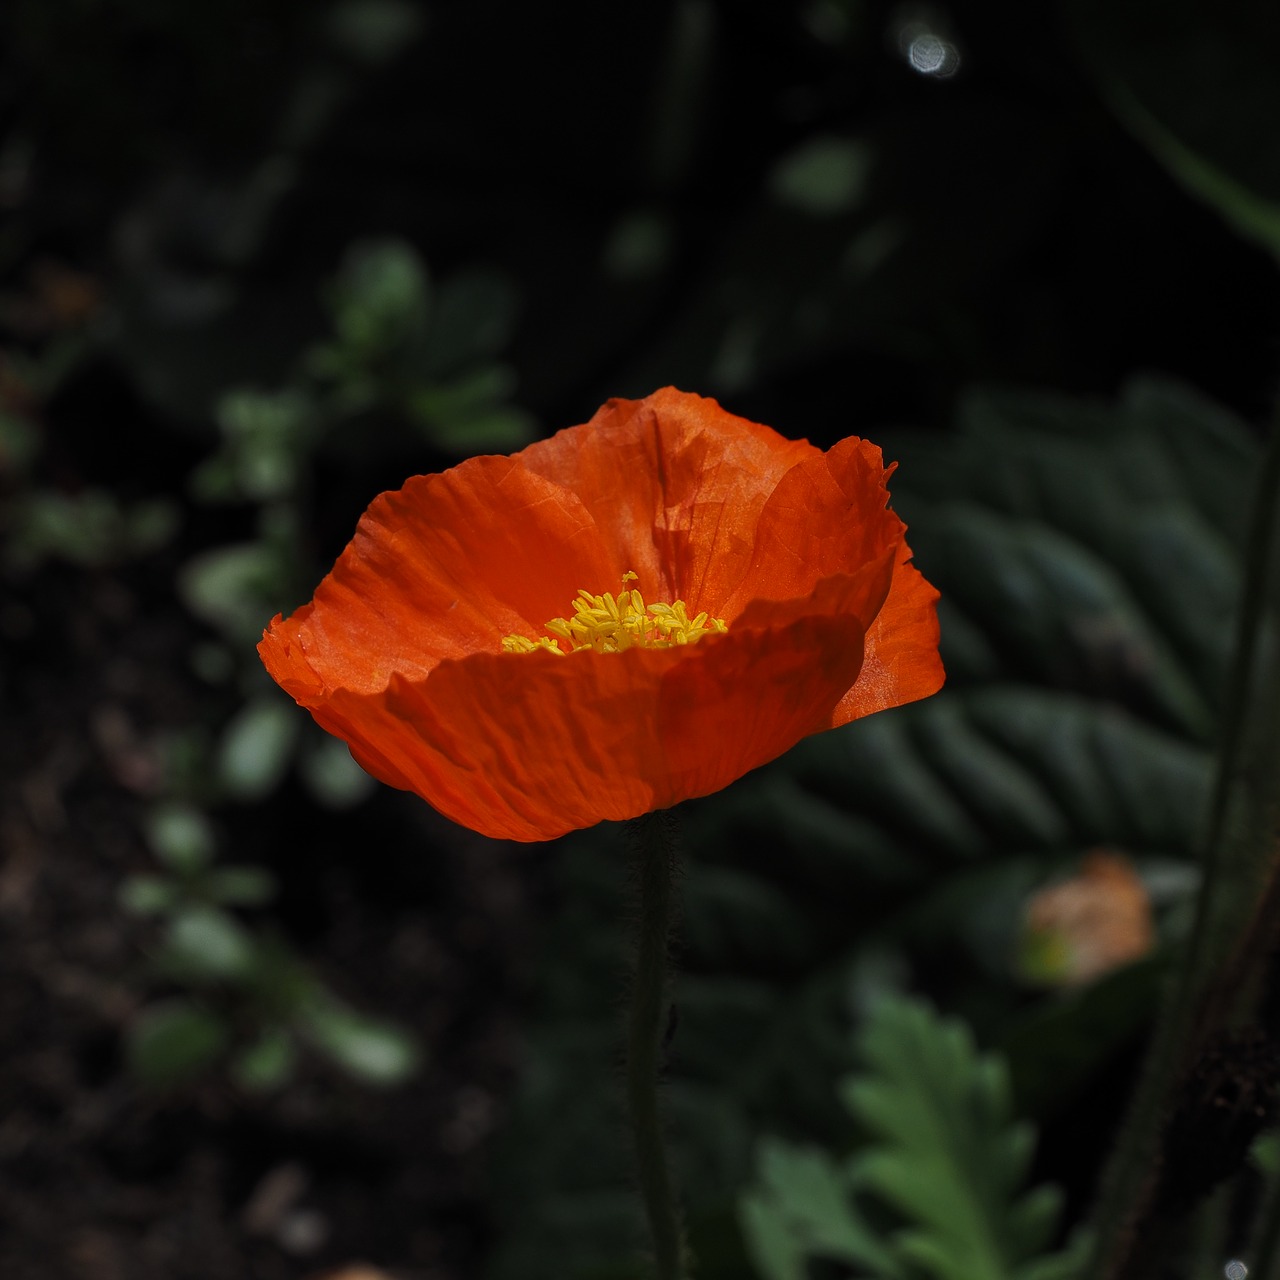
(675, 485)
(442, 568)
(901, 662)
(529, 746)
(825, 516)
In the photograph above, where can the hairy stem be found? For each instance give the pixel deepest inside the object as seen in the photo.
(654, 876)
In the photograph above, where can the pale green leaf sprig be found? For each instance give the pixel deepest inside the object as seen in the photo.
(802, 1207)
(242, 1002)
(938, 1190)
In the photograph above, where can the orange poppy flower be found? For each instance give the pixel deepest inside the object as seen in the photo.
(436, 646)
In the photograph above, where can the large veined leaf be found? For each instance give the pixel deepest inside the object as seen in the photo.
(1071, 542)
(1087, 556)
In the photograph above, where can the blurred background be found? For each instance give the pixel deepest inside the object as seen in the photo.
(260, 261)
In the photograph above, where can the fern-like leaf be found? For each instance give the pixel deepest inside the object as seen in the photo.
(946, 1153)
(941, 1177)
(801, 1208)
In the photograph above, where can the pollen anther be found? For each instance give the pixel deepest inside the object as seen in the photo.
(611, 624)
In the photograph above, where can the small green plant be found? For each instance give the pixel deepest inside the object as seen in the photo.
(83, 525)
(243, 1001)
(937, 1192)
(404, 355)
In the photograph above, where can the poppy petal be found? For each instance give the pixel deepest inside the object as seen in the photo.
(676, 485)
(901, 663)
(442, 568)
(826, 516)
(529, 746)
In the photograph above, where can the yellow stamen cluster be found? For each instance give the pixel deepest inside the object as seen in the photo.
(606, 624)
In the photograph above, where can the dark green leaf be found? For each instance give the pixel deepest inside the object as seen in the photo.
(801, 1207)
(174, 1042)
(267, 1063)
(373, 1052)
(946, 1153)
(148, 895)
(241, 886)
(204, 944)
(331, 775)
(181, 837)
(380, 299)
(233, 587)
(257, 748)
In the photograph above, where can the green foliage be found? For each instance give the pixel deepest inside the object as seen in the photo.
(825, 176)
(246, 1003)
(371, 1051)
(225, 585)
(1227, 972)
(250, 1005)
(374, 29)
(266, 438)
(268, 1063)
(256, 748)
(175, 1041)
(1056, 1045)
(87, 525)
(181, 837)
(1056, 524)
(421, 352)
(379, 304)
(90, 528)
(800, 1208)
(944, 1155)
(404, 352)
(1194, 97)
(267, 1008)
(946, 1152)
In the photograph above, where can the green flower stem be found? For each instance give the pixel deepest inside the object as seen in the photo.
(654, 877)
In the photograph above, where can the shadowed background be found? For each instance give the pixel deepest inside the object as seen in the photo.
(259, 262)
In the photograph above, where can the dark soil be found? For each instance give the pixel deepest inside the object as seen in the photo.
(101, 1179)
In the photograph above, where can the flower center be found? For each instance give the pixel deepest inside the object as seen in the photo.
(607, 624)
